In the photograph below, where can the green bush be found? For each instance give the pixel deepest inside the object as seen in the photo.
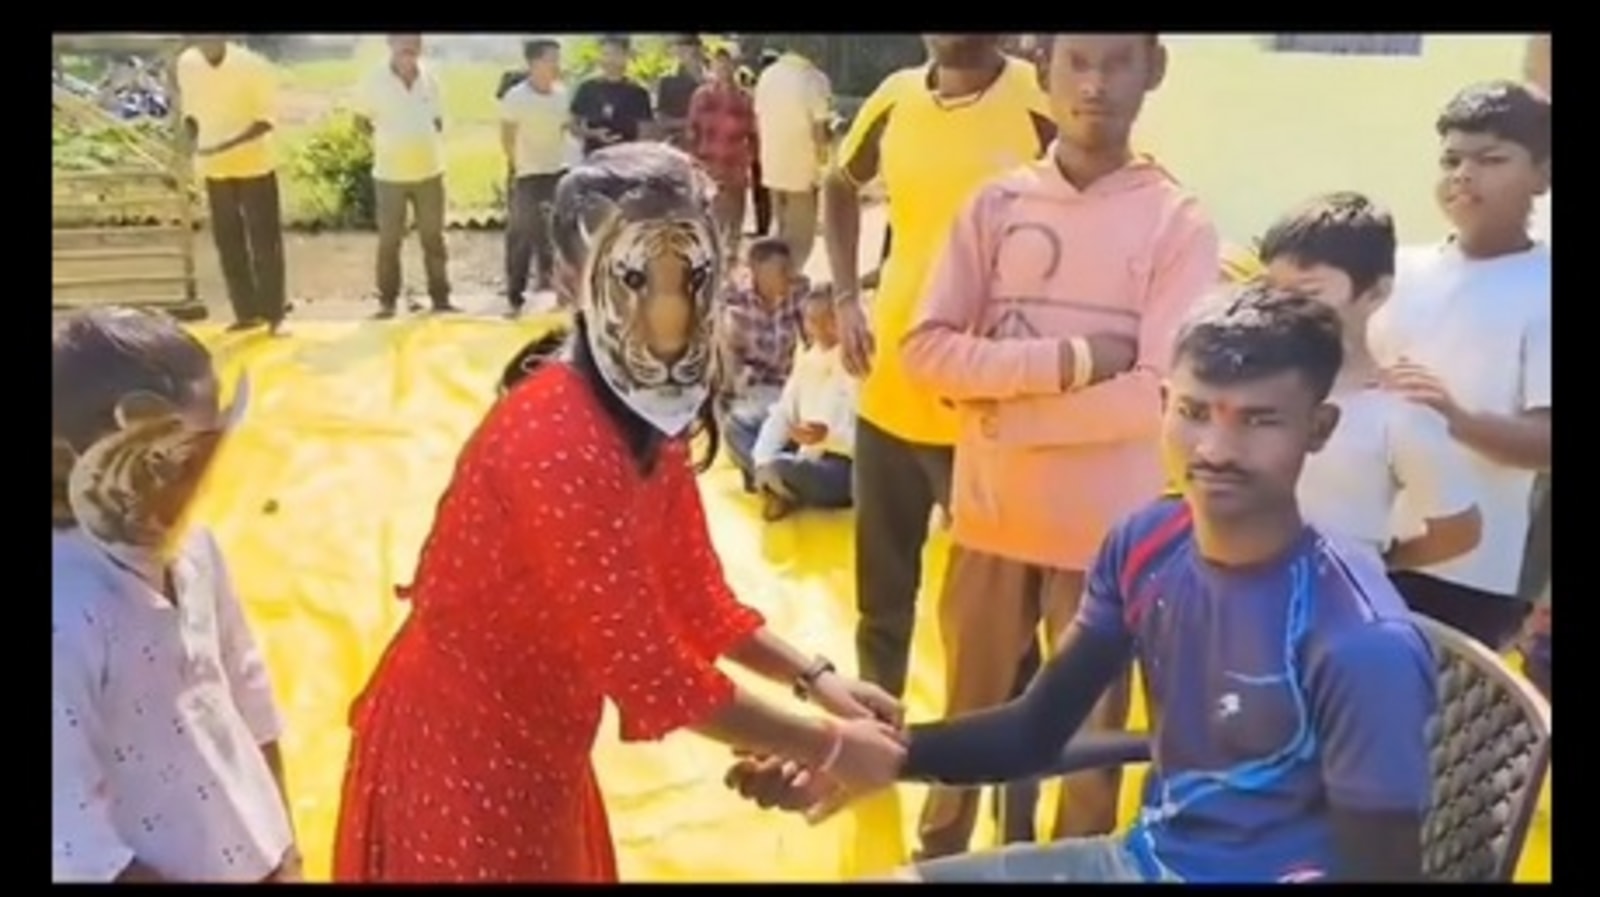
(334, 165)
(653, 58)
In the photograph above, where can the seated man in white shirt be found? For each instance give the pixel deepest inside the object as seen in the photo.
(164, 734)
(802, 455)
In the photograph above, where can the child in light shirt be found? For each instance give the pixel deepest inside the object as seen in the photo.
(1468, 334)
(801, 457)
(164, 749)
(1339, 249)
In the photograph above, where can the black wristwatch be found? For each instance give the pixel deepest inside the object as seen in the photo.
(807, 680)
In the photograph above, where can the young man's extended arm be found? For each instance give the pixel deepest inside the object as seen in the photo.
(1372, 692)
(1020, 739)
(86, 844)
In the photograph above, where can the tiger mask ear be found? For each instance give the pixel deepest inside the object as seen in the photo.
(141, 407)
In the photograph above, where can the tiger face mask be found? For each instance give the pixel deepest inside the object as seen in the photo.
(648, 294)
(131, 489)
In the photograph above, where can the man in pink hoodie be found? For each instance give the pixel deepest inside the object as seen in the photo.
(1049, 323)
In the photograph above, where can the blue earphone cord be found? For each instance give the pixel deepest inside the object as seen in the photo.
(1185, 789)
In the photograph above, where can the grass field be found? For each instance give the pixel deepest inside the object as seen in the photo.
(474, 164)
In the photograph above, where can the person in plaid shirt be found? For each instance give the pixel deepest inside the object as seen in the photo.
(722, 138)
(761, 328)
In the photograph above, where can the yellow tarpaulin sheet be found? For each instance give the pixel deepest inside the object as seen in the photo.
(323, 499)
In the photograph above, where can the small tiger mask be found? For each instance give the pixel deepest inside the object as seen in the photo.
(132, 486)
(651, 265)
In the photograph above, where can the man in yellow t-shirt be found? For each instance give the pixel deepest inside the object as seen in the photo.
(934, 133)
(399, 103)
(229, 97)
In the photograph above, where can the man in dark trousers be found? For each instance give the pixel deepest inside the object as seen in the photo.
(229, 97)
(533, 132)
(611, 108)
(760, 197)
(674, 91)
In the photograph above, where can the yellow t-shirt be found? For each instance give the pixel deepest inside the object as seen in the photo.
(224, 100)
(932, 155)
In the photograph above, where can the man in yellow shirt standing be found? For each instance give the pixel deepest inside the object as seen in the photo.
(934, 133)
(229, 97)
(399, 103)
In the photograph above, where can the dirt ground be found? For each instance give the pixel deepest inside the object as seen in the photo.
(331, 275)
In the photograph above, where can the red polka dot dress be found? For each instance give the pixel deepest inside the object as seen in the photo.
(556, 577)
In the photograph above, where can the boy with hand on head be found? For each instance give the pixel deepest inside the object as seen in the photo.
(1339, 250)
(164, 747)
(802, 456)
(1467, 333)
(1048, 324)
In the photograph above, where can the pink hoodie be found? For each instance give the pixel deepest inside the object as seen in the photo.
(1041, 475)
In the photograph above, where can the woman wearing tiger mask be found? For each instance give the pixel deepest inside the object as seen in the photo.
(569, 563)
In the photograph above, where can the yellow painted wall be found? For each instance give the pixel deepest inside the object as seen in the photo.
(1254, 131)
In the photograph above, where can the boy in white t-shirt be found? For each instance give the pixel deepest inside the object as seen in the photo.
(1339, 249)
(802, 454)
(164, 747)
(1467, 333)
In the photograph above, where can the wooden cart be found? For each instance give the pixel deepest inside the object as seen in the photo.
(123, 215)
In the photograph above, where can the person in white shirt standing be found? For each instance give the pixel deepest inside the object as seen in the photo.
(399, 102)
(792, 101)
(1339, 250)
(1467, 333)
(534, 130)
(164, 735)
(802, 453)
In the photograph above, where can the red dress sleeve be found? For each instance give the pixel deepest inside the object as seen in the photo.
(570, 499)
(712, 618)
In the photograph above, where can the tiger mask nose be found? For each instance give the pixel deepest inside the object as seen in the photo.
(669, 312)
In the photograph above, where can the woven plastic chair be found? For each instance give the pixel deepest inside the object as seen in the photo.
(1491, 754)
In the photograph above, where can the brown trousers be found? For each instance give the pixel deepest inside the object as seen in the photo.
(727, 209)
(989, 614)
(425, 199)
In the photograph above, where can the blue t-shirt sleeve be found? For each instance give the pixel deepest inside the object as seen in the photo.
(1101, 610)
(1372, 695)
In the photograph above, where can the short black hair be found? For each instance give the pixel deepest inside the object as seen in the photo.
(100, 355)
(767, 248)
(1345, 231)
(539, 47)
(620, 41)
(643, 177)
(1256, 331)
(1503, 109)
(722, 53)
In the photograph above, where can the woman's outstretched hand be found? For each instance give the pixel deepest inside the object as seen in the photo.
(869, 757)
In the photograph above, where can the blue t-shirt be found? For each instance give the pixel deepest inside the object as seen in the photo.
(1274, 692)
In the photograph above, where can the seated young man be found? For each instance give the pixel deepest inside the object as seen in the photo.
(761, 329)
(801, 458)
(1288, 687)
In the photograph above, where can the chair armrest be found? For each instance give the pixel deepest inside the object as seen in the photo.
(1100, 750)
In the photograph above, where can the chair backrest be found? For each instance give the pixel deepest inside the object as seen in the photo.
(1491, 752)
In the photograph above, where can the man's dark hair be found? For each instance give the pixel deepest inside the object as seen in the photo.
(767, 248)
(687, 40)
(102, 355)
(767, 58)
(618, 41)
(1256, 332)
(722, 53)
(1345, 231)
(1503, 109)
(539, 47)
